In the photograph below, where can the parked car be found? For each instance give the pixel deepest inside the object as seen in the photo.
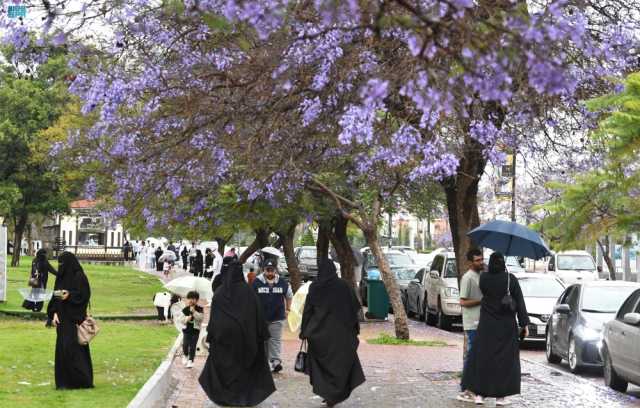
(415, 303)
(540, 292)
(407, 250)
(401, 264)
(573, 266)
(513, 265)
(307, 257)
(574, 331)
(620, 349)
(442, 292)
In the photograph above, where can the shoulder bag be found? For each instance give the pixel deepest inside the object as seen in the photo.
(508, 303)
(34, 279)
(301, 359)
(87, 330)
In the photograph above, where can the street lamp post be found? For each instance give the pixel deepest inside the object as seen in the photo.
(513, 188)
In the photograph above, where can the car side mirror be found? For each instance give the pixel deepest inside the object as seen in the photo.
(415, 280)
(551, 268)
(563, 308)
(632, 318)
(599, 269)
(434, 274)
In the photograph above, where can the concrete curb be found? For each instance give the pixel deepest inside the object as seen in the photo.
(159, 386)
(43, 316)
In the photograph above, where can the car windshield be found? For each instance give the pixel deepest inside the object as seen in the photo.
(512, 261)
(399, 260)
(404, 274)
(576, 262)
(308, 253)
(605, 299)
(450, 270)
(544, 288)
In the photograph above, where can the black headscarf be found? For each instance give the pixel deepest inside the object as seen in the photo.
(219, 279)
(497, 263)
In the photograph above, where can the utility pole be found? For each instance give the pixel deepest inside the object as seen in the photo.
(513, 188)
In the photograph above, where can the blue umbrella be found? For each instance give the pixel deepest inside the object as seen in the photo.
(510, 239)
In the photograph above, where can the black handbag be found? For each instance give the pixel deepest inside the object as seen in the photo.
(301, 359)
(508, 303)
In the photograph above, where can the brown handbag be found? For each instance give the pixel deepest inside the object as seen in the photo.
(87, 330)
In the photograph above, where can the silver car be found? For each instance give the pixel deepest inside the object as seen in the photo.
(620, 349)
(540, 292)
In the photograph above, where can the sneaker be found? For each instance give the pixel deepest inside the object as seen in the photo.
(501, 402)
(277, 368)
(184, 360)
(189, 364)
(479, 400)
(465, 396)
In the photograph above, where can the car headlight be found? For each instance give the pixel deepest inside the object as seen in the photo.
(451, 292)
(587, 333)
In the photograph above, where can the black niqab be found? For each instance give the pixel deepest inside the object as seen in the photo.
(236, 372)
(330, 325)
(73, 367)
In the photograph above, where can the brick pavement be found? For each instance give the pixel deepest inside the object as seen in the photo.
(408, 376)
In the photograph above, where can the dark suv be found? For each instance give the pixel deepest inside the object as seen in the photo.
(307, 257)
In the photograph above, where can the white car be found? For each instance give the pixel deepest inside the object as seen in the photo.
(540, 292)
(442, 292)
(573, 267)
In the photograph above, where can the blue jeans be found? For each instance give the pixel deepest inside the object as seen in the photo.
(470, 335)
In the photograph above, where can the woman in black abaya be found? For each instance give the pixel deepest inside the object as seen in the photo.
(158, 253)
(73, 368)
(236, 372)
(330, 325)
(40, 269)
(493, 367)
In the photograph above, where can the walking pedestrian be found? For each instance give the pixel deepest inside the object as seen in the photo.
(493, 365)
(126, 250)
(185, 255)
(192, 255)
(470, 299)
(275, 296)
(216, 265)
(142, 256)
(66, 310)
(40, 268)
(192, 316)
(208, 263)
(151, 257)
(159, 264)
(330, 325)
(236, 372)
(162, 302)
(198, 264)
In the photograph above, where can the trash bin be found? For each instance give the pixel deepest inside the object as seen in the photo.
(377, 299)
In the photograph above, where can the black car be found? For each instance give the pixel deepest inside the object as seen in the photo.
(307, 257)
(574, 330)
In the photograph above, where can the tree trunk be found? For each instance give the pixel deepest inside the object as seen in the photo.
(340, 242)
(19, 224)
(322, 244)
(222, 242)
(462, 201)
(607, 259)
(429, 239)
(30, 239)
(390, 283)
(261, 241)
(286, 237)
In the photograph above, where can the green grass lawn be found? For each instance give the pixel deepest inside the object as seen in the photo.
(389, 340)
(115, 290)
(124, 356)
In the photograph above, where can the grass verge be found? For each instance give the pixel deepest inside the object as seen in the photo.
(115, 290)
(388, 340)
(124, 356)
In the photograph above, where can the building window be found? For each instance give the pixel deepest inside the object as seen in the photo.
(113, 242)
(119, 239)
(70, 237)
(64, 236)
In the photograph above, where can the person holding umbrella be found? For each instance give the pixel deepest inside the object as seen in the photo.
(493, 365)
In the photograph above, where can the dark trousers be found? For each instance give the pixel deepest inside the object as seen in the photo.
(190, 342)
(160, 313)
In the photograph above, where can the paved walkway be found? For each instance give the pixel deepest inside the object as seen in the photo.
(408, 377)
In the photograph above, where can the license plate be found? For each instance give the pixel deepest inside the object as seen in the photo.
(542, 329)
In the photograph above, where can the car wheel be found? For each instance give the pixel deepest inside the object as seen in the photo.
(551, 356)
(443, 320)
(422, 311)
(572, 356)
(611, 378)
(429, 318)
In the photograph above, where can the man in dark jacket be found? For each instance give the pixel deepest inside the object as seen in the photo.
(275, 296)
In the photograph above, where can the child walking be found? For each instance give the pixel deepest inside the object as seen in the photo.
(193, 316)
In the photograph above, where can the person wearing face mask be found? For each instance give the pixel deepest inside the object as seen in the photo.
(275, 296)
